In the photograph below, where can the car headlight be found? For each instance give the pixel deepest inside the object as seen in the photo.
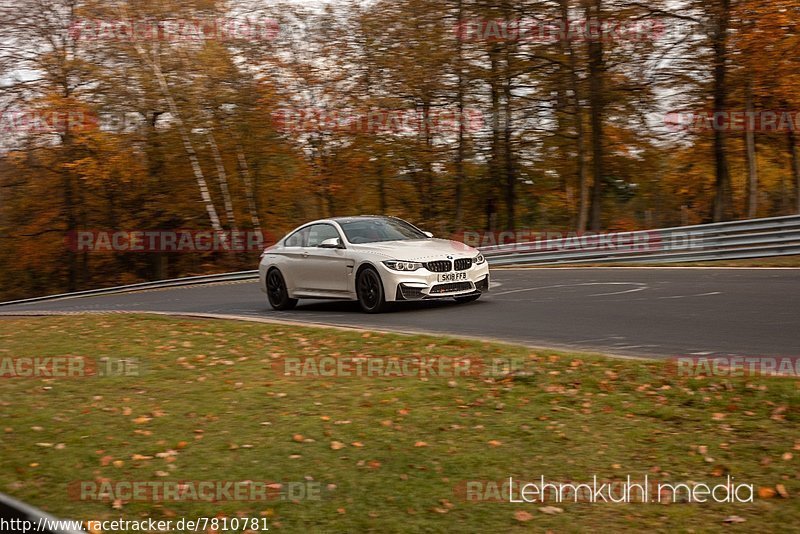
(396, 265)
(479, 259)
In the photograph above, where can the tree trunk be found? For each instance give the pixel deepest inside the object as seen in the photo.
(597, 107)
(752, 163)
(222, 176)
(202, 185)
(428, 206)
(244, 170)
(70, 219)
(495, 159)
(792, 141)
(508, 152)
(583, 182)
(722, 185)
(381, 175)
(460, 149)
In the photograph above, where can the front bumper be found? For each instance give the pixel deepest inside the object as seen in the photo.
(425, 285)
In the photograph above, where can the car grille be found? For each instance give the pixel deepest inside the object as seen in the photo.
(450, 288)
(442, 266)
(463, 264)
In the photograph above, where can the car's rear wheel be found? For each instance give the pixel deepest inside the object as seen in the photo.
(468, 298)
(370, 291)
(277, 293)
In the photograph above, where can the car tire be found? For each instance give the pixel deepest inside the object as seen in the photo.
(369, 289)
(277, 293)
(468, 298)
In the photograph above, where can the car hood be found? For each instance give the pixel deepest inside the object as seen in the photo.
(418, 250)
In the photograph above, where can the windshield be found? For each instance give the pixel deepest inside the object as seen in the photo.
(378, 230)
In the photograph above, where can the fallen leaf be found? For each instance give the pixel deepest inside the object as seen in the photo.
(719, 471)
(734, 519)
(337, 445)
(495, 443)
(781, 489)
(550, 510)
(765, 492)
(420, 444)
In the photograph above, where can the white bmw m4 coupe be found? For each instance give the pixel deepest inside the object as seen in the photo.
(371, 259)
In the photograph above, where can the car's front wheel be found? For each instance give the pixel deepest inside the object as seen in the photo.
(468, 298)
(277, 293)
(369, 289)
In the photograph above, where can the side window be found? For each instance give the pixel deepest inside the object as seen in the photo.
(319, 233)
(298, 239)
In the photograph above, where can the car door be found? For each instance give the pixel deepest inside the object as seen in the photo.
(325, 269)
(293, 263)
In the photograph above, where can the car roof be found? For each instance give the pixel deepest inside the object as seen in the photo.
(359, 218)
(354, 218)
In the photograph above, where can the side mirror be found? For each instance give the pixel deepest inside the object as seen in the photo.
(428, 234)
(333, 242)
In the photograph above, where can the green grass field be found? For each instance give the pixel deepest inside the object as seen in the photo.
(387, 454)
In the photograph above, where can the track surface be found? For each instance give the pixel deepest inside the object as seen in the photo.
(637, 312)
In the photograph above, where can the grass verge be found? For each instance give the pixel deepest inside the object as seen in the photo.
(388, 455)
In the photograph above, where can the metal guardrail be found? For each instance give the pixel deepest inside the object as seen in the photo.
(755, 238)
(177, 282)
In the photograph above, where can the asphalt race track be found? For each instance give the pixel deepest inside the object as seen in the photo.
(637, 312)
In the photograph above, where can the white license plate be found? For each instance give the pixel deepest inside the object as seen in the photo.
(452, 277)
